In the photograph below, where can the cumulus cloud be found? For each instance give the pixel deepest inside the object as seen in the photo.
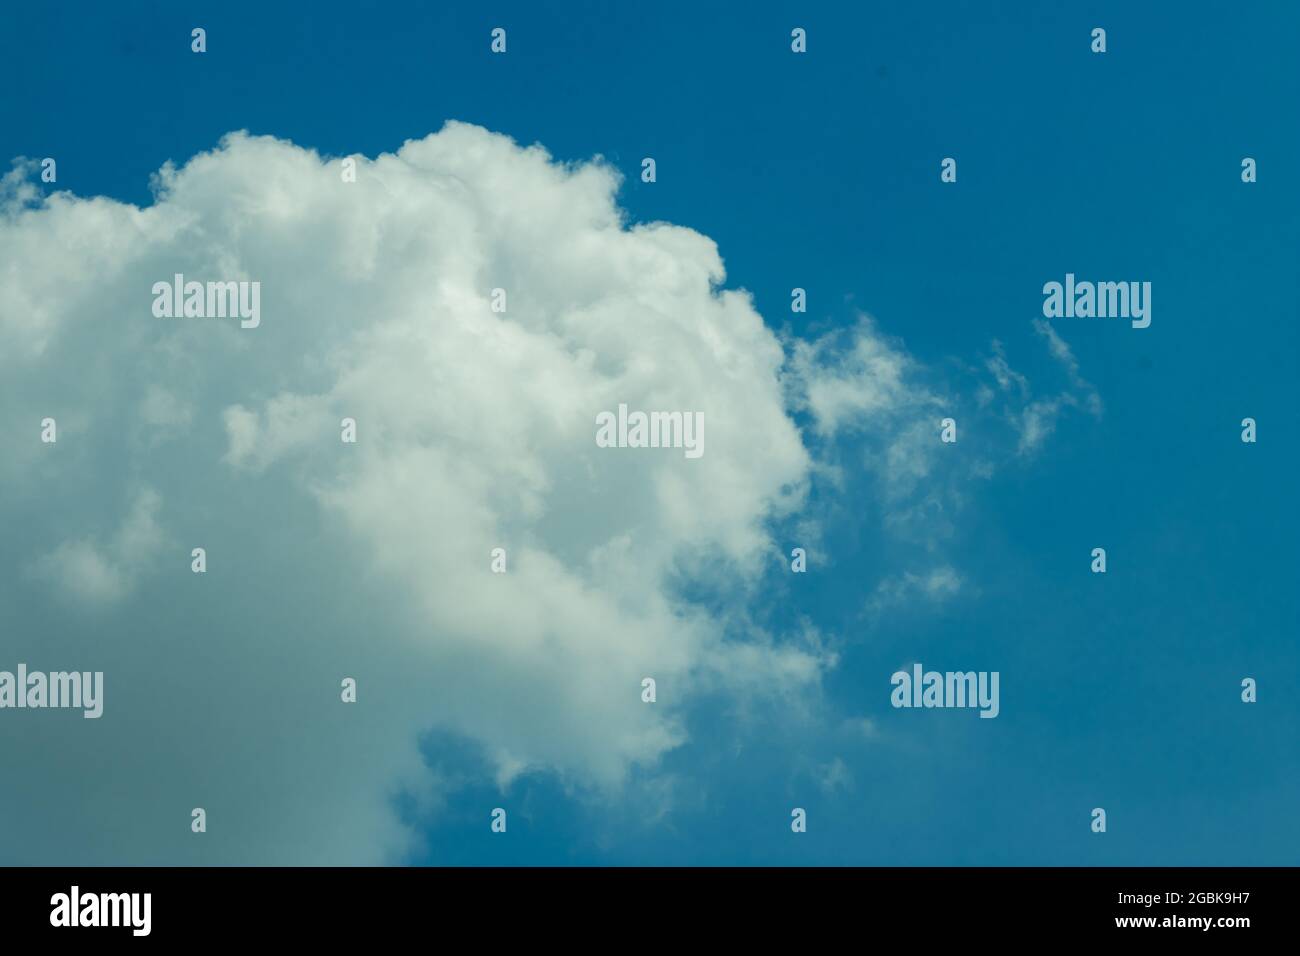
(372, 560)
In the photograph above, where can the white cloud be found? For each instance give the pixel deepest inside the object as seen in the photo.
(164, 410)
(476, 430)
(86, 573)
(105, 573)
(852, 379)
(1084, 392)
(834, 776)
(863, 727)
(1006, 377)
(1036, 419)
(933, 586)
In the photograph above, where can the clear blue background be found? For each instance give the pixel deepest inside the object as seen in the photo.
(821, 171)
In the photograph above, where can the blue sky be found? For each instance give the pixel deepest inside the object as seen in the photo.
(822, 171)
